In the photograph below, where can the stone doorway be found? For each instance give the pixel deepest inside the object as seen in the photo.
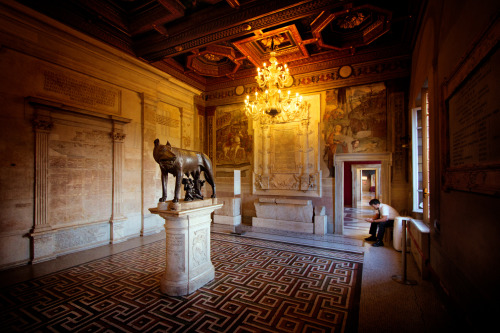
(384, 181)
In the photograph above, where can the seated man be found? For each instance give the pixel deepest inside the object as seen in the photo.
(383, 219)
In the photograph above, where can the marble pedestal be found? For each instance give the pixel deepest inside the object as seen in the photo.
(230, 213)
(188, 264)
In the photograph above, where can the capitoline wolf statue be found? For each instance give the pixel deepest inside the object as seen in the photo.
(180, 162)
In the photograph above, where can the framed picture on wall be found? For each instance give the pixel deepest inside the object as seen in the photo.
(472, 124)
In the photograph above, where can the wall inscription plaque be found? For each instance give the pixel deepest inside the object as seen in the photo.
(80, 91)
(474, 117)
(472, 99)
(284, 142)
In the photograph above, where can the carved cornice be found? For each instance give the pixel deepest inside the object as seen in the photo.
(362, 73)
(330, 60)
(321, 62)
(194, 80)
(51, 106)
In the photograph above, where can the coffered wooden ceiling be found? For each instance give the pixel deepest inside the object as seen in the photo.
(210, 42)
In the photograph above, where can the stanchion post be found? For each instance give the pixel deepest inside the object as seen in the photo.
(398, 278)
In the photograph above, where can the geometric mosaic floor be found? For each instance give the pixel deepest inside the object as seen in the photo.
(259, 286)
(354, 218)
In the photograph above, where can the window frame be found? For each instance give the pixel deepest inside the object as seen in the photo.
(416, 142)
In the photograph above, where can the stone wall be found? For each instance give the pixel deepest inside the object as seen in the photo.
(463, 222)
(78, 122)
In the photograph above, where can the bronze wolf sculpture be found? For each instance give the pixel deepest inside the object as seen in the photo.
(181, 162)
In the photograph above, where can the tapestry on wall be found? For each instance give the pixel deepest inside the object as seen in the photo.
(233, 143)
(354, 121)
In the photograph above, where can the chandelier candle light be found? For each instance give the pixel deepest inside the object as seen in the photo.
(272, 105)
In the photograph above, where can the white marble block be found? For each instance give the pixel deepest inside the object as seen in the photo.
(284, 214)
(293, 226)
(284, 209)
(320, 225)
(232, 207)
(188, 263)
(229, 220)
(237, 182)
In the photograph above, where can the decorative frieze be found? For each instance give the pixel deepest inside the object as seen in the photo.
(322, 76)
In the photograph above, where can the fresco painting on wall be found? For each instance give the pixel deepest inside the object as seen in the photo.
(233, 143)
(354, 121)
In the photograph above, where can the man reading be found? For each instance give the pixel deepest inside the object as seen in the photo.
(384, 218)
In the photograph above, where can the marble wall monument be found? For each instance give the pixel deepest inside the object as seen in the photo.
(286, 157)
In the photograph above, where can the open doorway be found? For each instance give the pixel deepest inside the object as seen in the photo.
(367, 187)
(365, 184)
(344, 162)
(362, 183)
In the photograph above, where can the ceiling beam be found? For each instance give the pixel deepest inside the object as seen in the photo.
(153, 18)
(233, 3)
(217, 26)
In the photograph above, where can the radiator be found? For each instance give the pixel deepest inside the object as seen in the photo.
(419, 236)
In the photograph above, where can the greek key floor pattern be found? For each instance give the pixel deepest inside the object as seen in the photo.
(259, 286)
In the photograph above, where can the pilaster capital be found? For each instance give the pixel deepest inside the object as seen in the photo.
(118, 137)
(43, 124)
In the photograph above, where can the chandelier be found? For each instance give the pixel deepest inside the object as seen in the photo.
(271, 105)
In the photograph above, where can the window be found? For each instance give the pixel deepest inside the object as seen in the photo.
(420, 156)
(418, 188)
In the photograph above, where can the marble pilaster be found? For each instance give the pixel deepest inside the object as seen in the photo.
(117, 218)
(42, 236)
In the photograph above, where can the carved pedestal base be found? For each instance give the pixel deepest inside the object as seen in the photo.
(117, 231)
(188, 263)
(42, 246)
